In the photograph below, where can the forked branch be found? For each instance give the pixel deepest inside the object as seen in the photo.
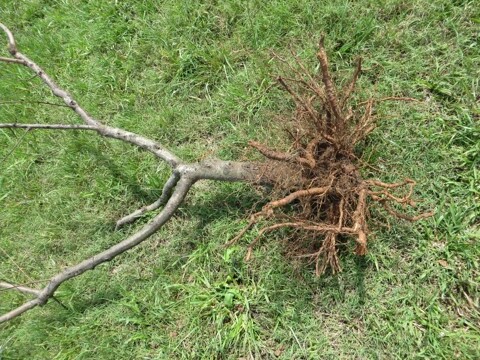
(47, 292)
(184, 175)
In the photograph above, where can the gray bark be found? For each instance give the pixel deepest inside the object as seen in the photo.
(184, 175)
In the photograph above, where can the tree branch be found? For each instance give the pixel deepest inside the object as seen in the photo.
(42, 297)
(10, 60)
(167, 189)
(7, 286)
(19, 310)
(31, 102)
(12, 47)
(176, 188)
(104, 130)
(48, 126)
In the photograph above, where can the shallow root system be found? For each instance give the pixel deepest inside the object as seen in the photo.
(328, 202)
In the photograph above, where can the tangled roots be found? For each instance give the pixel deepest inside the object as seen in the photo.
(329, 201)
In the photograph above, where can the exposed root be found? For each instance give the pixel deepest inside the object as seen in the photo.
(330, 200)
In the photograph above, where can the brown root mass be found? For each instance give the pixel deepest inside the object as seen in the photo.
(329, 200)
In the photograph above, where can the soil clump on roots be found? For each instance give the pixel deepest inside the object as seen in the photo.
(326, 202)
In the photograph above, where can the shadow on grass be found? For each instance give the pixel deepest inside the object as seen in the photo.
(221, 203)
(109, 161)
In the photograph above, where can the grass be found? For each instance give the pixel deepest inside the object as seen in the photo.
(194, 75)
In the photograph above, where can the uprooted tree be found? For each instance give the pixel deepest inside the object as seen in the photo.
(318, 194)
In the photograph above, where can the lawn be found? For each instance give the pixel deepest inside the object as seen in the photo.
(199, 77)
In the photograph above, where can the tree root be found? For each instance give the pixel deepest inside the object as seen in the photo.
(331, 200)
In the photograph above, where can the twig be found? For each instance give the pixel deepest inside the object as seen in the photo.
(406, 217)
(295, 195)
(281, 156)
(173, 203)
(48, 126)
(32, 102)
(351, 85)
(313, 84)
(12, 47)
(167, 189)
(10, 60)
(7, 286)
(389, 186)
(108, 131)
(360, 224)
(329, 87)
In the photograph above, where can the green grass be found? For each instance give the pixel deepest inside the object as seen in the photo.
(194, 75)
